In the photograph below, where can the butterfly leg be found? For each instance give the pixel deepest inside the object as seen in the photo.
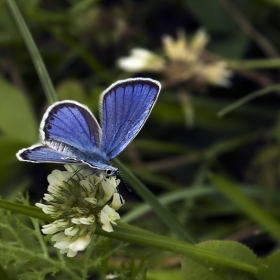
(76, 172)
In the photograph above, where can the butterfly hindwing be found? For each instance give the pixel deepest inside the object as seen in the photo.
(70, 123)
(125, 108)
(39, 153)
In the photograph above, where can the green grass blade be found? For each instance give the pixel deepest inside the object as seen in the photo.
(269, 63)
(34, 53)
(163, 213)
(250, 208)
(247, 98)
(27, 210)
(170, 197)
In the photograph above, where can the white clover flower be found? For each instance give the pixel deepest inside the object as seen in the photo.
(108, 216)
(141, 59)
(76, 199)
(184, 60)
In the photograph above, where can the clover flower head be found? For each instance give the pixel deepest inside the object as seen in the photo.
(78, 200)
(183, 60)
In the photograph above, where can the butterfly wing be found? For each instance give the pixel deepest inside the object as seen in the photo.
(70, 134)
(39, 153)
(72, 124)
(125, 107)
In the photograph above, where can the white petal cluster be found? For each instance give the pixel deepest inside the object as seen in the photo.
(79, 200)
(141, 60)
(183, 60)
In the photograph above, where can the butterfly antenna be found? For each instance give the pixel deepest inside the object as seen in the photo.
(118, 189)
(126, 184)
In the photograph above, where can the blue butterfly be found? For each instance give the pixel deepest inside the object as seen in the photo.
(70, 134)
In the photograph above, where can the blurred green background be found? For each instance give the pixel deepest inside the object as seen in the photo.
(184, 139)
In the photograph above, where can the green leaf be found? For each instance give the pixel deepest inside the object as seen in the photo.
(270, 268)
(198, 270)
(16, 116)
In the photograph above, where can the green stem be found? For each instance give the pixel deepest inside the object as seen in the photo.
(255, 212)
(134, 235)
(163, 213)
(34, 53)
(247, 98)
(142, 237)
(29, 211)
(255, 64)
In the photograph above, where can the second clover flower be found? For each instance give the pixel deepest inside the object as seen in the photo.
(183, 61)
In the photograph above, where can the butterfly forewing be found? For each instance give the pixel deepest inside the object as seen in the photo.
(125, 108)
(71, 123)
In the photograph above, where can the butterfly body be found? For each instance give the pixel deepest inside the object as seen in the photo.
(81, 156)
(70, 134)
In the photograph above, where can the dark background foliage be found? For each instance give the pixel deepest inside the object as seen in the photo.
(80, 42)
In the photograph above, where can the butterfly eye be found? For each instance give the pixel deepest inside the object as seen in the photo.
(109, 172)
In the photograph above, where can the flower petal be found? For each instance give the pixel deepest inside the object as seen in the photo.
(117, 201)
(81, 243)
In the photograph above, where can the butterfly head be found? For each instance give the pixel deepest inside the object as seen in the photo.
(111, 170)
